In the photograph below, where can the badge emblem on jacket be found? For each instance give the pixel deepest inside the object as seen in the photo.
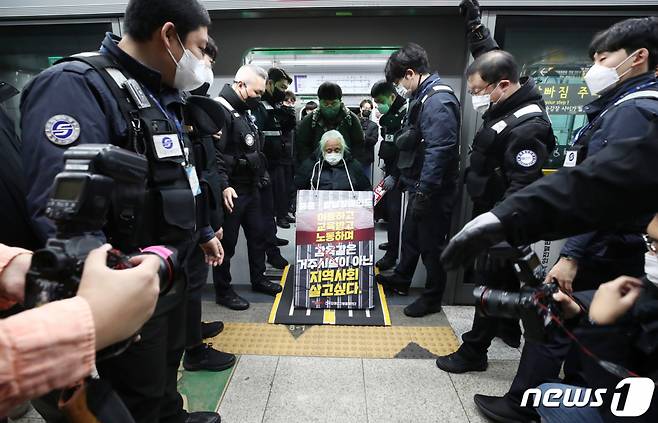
(249, 140)
(62, 130)
(526, 158)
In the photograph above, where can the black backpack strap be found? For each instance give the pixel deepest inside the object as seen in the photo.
(113, 76)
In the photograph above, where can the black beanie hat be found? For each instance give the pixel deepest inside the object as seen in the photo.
(329, 91)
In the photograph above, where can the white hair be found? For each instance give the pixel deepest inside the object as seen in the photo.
(247, 72)
(333, 135)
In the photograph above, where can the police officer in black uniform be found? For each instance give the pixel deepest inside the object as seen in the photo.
(393, 109)
(370, 137)
(204, 122)
(428, 160)
(129, 95)
(272, 118)
(508, 153)
(242, 168)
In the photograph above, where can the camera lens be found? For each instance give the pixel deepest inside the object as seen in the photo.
(498, 303)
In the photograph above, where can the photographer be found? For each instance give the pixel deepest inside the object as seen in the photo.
(616, 321)
(129, 94)
(70, 330)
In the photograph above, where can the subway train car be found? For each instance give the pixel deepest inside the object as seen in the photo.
(328, 365)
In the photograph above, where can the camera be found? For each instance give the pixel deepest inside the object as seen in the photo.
(100, 191)
(533, 304)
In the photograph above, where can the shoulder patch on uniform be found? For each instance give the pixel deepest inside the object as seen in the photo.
(62, 130)
(249, 140)
(526, 158)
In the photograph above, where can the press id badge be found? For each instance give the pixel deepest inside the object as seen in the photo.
(193, 179)
(167, 145)
(570, 158)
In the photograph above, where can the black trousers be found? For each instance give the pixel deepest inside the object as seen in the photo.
(486, 328)
(269, 224)
(248, 214)
(542, 362)
(289, 176)
(393, 203)
(197, 270)
(280, 190)
(145, 376)
(427, 238)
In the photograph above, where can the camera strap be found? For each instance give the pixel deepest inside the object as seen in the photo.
(612, 368)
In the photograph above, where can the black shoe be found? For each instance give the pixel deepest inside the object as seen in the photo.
(211, 329)
(291, 219)
(277, 261)
(203, 417)
(457, 363)
(280, 242)
(204, 357)
(394, 283)
(383, 246)
(232, 301)
(421, 307)
(502, 409)
(282, 223)
(266, 287)
(386, 262)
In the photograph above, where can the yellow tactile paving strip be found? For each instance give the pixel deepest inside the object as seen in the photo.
(333, 341)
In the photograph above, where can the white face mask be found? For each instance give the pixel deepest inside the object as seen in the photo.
(333, 158)
(208, 76)
(651, 267)
(600, 78)
(481, 103)
(402, 92)
(191, 72)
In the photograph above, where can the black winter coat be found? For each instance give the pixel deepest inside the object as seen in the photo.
(333, 178)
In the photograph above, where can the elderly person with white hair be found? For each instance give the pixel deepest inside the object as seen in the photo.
(335, 169)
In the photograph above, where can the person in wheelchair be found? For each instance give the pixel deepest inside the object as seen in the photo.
(332, 168)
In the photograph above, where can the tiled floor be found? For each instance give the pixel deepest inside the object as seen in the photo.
(310, 389)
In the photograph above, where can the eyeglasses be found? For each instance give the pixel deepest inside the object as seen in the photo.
(652, 244)
(480, 90)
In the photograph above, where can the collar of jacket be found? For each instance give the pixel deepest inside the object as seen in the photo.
(428, 83)
(151, 78)
(344, 116)
(597, 106)
(528, 93)
(267, 97)
(233, 98)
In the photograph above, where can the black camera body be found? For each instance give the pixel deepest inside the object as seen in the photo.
(533, 304)
(101, 190)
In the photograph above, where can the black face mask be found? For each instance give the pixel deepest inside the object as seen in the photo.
(252, 102)
(366, 113)
(278, 95)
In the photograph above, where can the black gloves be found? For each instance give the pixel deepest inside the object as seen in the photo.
(478, 234)
(421, 206)
(470, 11)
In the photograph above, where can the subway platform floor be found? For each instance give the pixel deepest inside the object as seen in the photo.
(291, 389)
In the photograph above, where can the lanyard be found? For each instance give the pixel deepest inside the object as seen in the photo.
(590, 125)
